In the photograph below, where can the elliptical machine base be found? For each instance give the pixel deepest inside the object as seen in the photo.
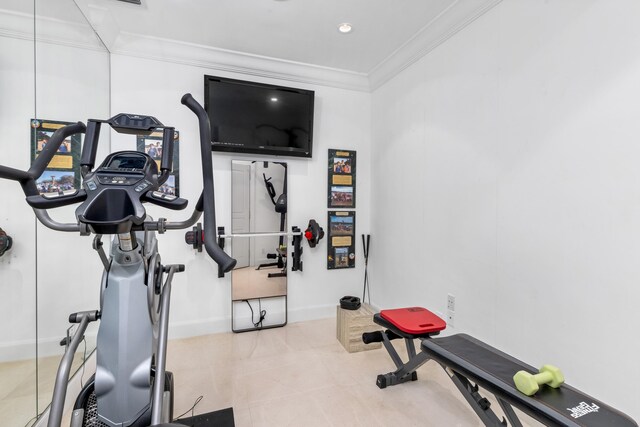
(85, 409)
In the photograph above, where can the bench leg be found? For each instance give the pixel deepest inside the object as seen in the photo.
(405, 371)
(479, 404)
(509, 413)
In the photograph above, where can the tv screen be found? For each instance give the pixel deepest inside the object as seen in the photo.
(249, 117)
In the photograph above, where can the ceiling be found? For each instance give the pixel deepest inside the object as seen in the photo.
(300, 31)
(277, 38)
(294, 30)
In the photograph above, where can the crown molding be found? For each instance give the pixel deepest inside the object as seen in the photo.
(22, 26)
(15, 25)
(448, 23)
(142, 46)
(444, 26)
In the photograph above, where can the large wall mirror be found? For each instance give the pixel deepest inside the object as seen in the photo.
(53, 68)
(259, 281)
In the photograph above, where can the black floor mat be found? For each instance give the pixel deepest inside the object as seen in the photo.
(221, 418)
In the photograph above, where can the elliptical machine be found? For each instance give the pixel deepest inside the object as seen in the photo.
(131, 387)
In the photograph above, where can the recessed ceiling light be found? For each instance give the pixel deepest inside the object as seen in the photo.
(274, 99)
(345, 28)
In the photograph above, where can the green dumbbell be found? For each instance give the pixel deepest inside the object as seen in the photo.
(529, 384)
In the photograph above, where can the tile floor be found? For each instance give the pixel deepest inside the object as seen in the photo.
(18, 388)
(300, 375)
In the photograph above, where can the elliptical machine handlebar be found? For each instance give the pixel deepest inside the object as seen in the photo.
(27, 179)
(125, 123)
(215, 252)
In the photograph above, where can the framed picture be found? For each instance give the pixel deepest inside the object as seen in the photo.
(341, 179)
(62, 175)
(341, 249)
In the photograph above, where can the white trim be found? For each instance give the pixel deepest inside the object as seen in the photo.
(444, 26)
(449, 22)
(26, 349)
(49, 30)
(223, 324)
(17, 350)
(142, 46)
(193, 328)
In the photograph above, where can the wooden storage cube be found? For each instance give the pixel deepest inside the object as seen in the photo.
(350, 326)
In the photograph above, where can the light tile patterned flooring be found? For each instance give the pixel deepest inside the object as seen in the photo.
(18, 388)
(298, 375)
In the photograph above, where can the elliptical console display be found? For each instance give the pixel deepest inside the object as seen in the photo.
(116, 190)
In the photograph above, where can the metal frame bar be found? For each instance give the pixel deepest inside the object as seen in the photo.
(64, 369)
(509, 413)
(404, 371)
(161, 353)
(261, 234)
(480, 405)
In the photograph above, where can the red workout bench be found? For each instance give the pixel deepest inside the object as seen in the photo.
(472, 364)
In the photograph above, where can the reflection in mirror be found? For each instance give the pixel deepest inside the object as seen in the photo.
(52, 67)
(69, 270)
(259, 205)
(18, 264)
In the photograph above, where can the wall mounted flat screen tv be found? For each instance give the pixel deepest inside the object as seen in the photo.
(257, 118)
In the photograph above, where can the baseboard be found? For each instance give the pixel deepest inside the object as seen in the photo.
(26, 349)
(312, 313)
(217, 325)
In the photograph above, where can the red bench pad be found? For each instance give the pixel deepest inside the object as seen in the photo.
(414, 320)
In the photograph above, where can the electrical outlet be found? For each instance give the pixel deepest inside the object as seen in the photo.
(451, 302)
(451, 318)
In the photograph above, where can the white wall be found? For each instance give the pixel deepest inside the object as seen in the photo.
(201, 302)
(17, 266)
(69, 270)
(511, 153)
(61, 266)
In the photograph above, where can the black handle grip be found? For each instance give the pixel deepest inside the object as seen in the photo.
(200, 202)
(215, 252)
(14, 174)
(28, 178)
(177, 268)
(166, 161)
(175, 204)
(40, 202)
(42, 161)
(50, 150)
(90, 146)
(371, 337)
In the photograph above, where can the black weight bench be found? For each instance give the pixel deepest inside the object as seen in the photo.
(472, 364)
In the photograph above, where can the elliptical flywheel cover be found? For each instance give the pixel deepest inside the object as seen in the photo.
(350, 303)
